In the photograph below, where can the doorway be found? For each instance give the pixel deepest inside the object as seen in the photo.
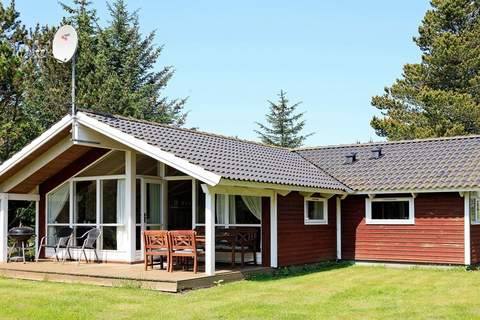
(179, 204)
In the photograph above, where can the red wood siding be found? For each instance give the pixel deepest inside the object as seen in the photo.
(266, 232)
(475, 243)
(436, 237)
(299, 243)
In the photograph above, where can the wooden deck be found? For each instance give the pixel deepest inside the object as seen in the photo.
(118, 275)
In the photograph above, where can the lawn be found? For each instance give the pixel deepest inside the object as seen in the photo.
(343, 292)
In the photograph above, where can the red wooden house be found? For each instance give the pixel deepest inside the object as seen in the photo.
(408, 201)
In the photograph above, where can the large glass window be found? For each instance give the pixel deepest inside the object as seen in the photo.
(85, 202)
(390, 211)
(59, 205)
(58, 211)
(146, 166)
(231, 210)
(110, 193)
(112, 164)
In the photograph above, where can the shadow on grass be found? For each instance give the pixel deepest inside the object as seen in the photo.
(295, 271)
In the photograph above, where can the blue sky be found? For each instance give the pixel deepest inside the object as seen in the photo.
(231, 57)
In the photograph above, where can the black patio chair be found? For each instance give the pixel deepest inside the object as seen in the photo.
(62, 239)
(90, 239)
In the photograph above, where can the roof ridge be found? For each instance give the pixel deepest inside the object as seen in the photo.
(349, 145)
(105, 114)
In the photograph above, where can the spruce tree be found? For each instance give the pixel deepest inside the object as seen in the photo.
(114, 67)
(283, 126)
(440, 96)
(15, 127)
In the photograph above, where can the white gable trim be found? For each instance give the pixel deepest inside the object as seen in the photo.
(35, 144)
(149, 150)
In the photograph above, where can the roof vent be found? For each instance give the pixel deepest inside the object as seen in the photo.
(377, 153)
(351, 158)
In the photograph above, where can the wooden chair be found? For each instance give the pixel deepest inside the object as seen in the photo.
(246, 239)
(183, 245)
(225, 241)
(156, 243)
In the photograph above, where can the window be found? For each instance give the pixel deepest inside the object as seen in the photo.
(85, 214)
(113, 163)
(475, 207)
(231, 210)
(58, 211)
(390, 211)
(316, 210)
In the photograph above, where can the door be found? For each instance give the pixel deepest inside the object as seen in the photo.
(149, 207)
(179, 204)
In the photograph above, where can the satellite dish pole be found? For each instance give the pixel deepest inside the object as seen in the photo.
(65, 43)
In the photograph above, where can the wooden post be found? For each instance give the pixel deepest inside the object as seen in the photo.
(3, 227)
(130, 204)
(209, 231)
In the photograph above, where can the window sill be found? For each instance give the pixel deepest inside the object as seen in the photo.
(316, 222)
(389, 222)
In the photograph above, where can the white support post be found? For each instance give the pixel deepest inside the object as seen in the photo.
(339, 228)
(209, 231)
(37, 225)
(273, 231)
(130, 204)
(194, 203)
(3, 227)
(466, 201)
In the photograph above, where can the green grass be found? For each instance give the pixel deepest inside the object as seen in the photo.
(343, 292)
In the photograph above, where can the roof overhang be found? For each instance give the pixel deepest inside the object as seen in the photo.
(417, 190)
(279, 188)
(154, 152)
(35, 145)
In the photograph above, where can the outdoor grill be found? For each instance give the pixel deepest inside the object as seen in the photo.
(20, 237)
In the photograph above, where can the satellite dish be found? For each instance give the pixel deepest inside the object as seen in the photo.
(65, 43)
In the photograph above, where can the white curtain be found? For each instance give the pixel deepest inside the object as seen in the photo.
(57, 201)
(120, 201)
(254, 204)
(154, 203)
(220, 208)
(232, 210)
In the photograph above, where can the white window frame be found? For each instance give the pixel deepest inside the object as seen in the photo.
(411, 211)
(474, 204)
(325, 211)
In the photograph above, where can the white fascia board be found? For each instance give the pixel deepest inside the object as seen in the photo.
(35, 144)
(278, 187)
(149, 150)
(415, 191)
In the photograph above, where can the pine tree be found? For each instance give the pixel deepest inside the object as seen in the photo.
(441, 95)
(15, 129)
(133, 87)
(114, 68)
(284, 125)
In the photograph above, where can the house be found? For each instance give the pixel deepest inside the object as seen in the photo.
(409, 201)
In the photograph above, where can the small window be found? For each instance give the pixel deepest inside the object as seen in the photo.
(390, 211)
(316, 210)
(475, 207)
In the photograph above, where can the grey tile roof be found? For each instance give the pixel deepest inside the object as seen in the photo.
(441, 163)
(228, 157)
